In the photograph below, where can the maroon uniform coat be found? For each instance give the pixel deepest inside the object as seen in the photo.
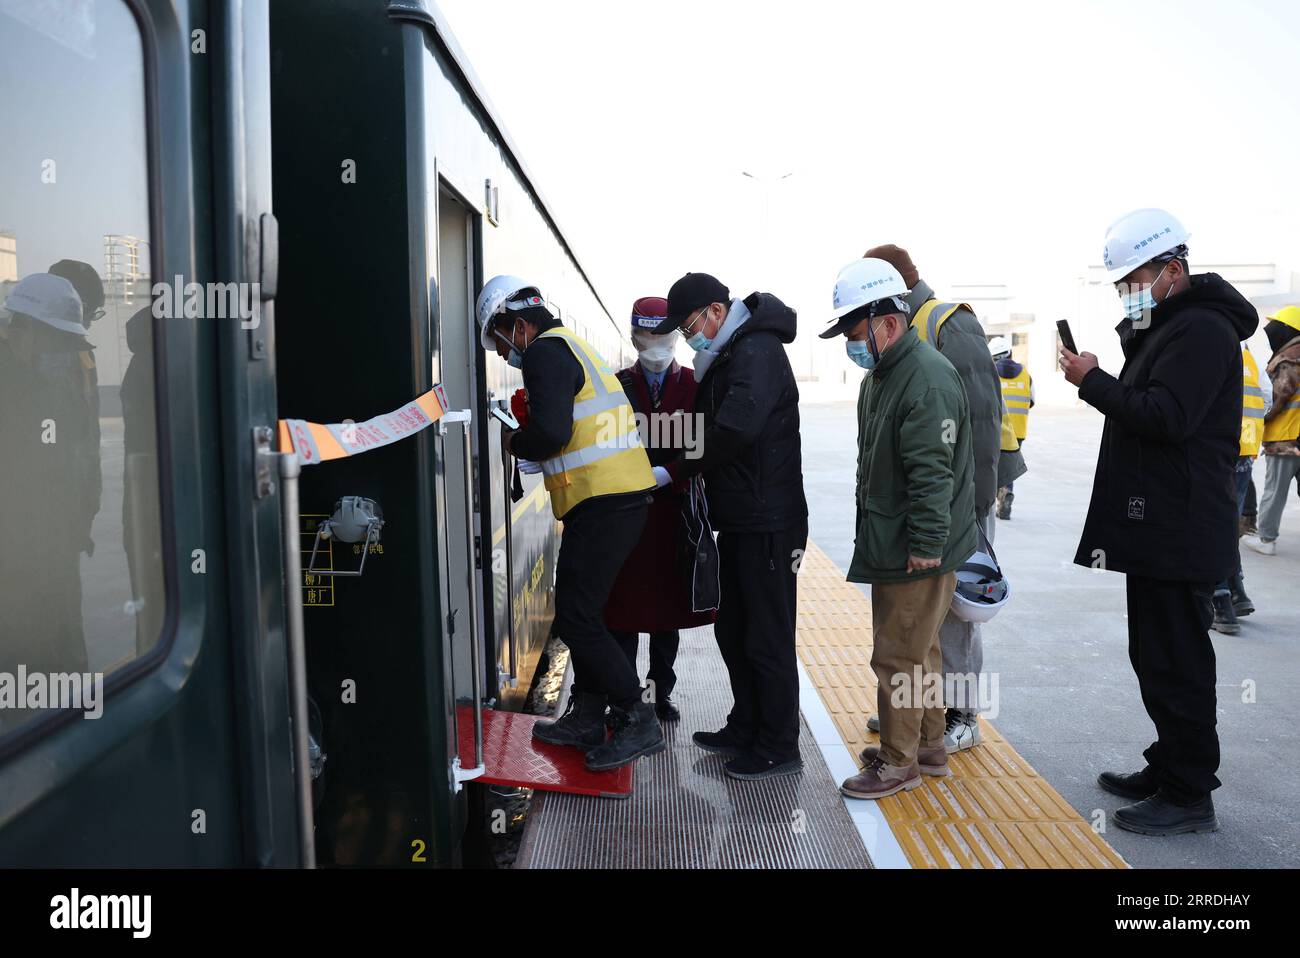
(651, 592)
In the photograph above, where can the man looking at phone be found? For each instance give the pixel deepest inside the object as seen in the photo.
(1163, 509)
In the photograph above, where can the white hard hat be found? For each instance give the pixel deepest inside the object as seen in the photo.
(998, 346)
(1139, 237)
(867, 281)
(981, 590)
(49, 299)
(499, 294)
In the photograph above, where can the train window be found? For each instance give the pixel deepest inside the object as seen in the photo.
(81, 575)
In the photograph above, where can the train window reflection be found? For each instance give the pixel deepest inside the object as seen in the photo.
(81, 578)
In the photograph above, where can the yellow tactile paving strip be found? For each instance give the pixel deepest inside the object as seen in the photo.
(992, 811)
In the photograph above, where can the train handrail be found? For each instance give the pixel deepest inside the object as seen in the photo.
(290, 468)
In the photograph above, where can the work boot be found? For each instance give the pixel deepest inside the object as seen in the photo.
(961, 731)
(637, 732)
(581, 726)
(1158, 815)
(880, 780)
(1135, 785)
(929, 761)
(1225, 619)
(1005, 498)
(1241, 603)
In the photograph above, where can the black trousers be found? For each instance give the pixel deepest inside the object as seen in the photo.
(1170, 648)
(599, 535)
(663, 655)
(755, 632)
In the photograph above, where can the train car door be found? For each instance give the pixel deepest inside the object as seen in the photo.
(458, 352)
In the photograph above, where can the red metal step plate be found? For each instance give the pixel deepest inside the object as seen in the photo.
(513, 757)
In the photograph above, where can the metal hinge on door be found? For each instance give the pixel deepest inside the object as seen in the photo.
(478, 552)
(264, 461)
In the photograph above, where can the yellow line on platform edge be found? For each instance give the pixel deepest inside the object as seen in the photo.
(992, 811)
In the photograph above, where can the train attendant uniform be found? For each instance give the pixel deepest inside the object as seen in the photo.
(581, 435)
(652, 593)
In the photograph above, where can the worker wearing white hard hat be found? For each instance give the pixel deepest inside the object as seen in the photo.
(1161, 511)
(915, 517)
(582, 433)
(51, 470)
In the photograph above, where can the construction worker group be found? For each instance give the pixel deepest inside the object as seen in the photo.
(943, 415)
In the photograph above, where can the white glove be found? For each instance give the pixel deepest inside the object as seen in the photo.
(662, 478)
(528, 467)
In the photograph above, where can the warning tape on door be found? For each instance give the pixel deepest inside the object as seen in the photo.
(314, 442)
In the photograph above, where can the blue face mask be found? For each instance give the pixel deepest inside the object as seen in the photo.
(1136, 304)
(860, 353)
(698, 341)
(516, 357)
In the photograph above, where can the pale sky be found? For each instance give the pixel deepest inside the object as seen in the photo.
(995, 141)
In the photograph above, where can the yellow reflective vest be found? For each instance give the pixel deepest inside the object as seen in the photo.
(604, 455)
(1252, 406)
(1016, 393)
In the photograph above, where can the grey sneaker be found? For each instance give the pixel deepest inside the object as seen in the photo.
(873, 722)
(961, 733)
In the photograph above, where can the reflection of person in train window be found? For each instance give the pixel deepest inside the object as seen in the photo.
(651, 594)
(141, 535)
(49, 473)
(90, 290)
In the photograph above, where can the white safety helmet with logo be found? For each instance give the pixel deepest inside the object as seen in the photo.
(1137, 238)
(499, 294)
(999, 347)
(982, 590)
(866, 281)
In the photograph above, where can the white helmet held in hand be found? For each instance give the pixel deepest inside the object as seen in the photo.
(867, 281)
(1137, 238)
(981, 590)
(999, 347)
(499, 294)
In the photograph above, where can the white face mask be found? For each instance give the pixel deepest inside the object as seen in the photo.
(656, 352)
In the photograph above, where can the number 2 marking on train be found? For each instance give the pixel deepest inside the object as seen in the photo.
(418, 854)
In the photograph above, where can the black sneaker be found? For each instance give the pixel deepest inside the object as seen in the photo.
(1241, 603)
(1158, 815)
(750, 767)
(1225, 619)
(1135, 785)
(723, 743)
(581, 726)
(637, 733)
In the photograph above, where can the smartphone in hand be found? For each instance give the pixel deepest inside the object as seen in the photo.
(1067, 340)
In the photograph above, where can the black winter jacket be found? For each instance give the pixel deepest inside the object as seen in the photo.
(749, 407)
(1163, 502)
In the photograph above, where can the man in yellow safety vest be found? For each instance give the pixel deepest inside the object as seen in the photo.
(581, 435)
(1281, 426)
(1230, 599)
(1017, 400)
